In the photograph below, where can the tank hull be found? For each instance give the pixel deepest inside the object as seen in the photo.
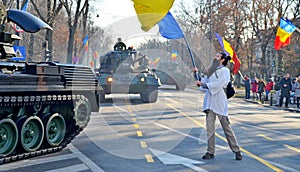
(43, 107)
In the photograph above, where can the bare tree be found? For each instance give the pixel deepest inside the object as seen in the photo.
(74, 11)
(53, 7)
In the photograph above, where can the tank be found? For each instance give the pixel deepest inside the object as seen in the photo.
(170, 73)
(43, 105)
(127, 72)
(170, 70)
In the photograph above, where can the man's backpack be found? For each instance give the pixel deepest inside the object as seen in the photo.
(229, 90)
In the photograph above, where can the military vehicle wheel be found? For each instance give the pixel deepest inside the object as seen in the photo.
(180, 87)
(82, 113)
(150, 96)
(32, 133)
(8, 137)
(55, 129)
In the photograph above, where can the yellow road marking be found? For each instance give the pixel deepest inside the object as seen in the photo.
(143, 144)
(136, 125)
(139, 133)
(132, 114)
(292, 148)
(149, 158)
(133, 119)
(266, 137)
(222, 138)
(129, 108)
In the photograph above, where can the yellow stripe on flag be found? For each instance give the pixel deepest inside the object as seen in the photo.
(150, 12)
(227, 48)
(283, 35)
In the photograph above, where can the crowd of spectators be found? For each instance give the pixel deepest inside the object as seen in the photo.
(286, 89)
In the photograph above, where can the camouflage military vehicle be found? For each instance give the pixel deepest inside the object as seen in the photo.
(127, 72)
(43, 105)
(170, 71)
(170, 74)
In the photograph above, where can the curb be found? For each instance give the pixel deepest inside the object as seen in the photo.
(241, 96)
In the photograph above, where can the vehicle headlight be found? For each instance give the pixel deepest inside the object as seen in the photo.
(109, 79)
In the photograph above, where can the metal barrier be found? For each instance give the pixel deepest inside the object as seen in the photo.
(271, 98)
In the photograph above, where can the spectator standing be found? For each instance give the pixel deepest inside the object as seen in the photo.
(261, 88)
(254, 88)
(247, 87)
(297, 91)
(269, 87)
(293, 91)
(277, 90)
(286, 88)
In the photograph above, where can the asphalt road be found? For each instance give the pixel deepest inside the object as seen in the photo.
(169, 135)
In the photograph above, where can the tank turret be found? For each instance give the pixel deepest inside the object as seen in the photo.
(43, 105)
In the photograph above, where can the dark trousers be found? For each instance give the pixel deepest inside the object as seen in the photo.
(260, 95)
(287, 99)
(247, 93)
(267, 95)
(298, 100)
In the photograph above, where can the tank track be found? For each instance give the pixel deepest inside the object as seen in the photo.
(33, 100)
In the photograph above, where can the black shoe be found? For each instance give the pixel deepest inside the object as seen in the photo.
(238, 156)
(208, 156)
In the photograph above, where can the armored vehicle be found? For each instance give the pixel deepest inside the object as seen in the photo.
(43, 105)
(170, 74)
(170, 70)
(127, 72)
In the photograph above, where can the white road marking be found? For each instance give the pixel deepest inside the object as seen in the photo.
(85, 159)
(32, 162)
(74, 168)
(167, 158)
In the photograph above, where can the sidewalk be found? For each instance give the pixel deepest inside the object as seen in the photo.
(240, 93)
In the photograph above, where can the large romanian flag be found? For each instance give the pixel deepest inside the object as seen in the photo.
(229, 50)
(283, 34)
(150, 12)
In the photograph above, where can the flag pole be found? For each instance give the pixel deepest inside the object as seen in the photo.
(192, 57)
(240, 73)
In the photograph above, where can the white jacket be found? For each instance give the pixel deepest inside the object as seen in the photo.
(215, 98)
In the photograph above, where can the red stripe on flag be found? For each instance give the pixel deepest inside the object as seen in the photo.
(237, 63)
(278, 44)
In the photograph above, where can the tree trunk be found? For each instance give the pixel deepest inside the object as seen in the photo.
(30, 48)
(70, 45)
(49, 38)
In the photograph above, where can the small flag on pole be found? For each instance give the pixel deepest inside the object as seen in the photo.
(86, 43)
(229, 50)
(24, 7)
(283, 34)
